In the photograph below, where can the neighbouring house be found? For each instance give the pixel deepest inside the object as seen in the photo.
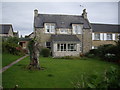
(65, 35)
(23, 42)
(6, 30)
(31, 35)
(16, 34)
(104, 34)
(72, 35)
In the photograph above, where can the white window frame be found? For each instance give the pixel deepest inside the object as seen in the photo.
(65, 47)
(96, 36)
(94, 47)
(109, 36)
(60, 45)
(63, 31)
(72, 45)
(50, 27)
(76, 29)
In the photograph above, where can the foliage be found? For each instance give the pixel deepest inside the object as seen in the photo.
(10, 45)
(45, 52)
(14, 40)
(109, 79)
(107, 52)
(30, 47)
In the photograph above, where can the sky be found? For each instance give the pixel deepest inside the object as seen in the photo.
(21, 14)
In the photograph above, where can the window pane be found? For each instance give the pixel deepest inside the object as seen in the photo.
(109, 36)
(64, 47)
(58, 47)
(52, 28)
(97, 36)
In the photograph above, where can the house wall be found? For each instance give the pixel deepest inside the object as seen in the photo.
(56, 53)
(42, 37)
(87, 40)
(4, 35)
(10, 33)
(96, 43)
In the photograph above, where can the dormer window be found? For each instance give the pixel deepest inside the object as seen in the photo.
(77, 29)
(49, 28)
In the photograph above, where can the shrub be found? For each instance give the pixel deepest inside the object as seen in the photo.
(45, 52)
(109, 79)
(10, 45)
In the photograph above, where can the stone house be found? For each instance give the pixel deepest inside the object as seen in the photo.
(65, 35)
(104, 34)
(72, 35)
(6, 30)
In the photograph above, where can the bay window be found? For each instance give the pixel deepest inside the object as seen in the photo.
(66, 47)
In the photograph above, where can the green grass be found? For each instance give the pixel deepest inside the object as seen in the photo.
(8, 58)
(58, 73)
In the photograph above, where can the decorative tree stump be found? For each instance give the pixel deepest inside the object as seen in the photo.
(34, 55)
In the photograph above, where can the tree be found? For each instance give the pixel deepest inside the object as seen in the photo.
(34, 49)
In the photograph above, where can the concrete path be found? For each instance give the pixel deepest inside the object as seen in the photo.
(8, 66)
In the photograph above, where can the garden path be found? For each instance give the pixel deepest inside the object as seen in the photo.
(8, 66)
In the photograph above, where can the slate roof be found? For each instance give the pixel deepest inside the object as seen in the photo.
(24, 39)
(4, 28)
(61, 21)
(62, 37)
(105, 28)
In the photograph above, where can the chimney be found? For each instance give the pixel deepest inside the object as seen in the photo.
(35, 13)
(84, 14)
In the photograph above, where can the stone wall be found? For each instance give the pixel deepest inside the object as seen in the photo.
(87, 40)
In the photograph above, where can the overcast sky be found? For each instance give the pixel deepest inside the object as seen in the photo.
(20, 14)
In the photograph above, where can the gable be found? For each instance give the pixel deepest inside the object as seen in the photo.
(5, 28)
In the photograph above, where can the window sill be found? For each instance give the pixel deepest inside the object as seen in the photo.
(97, 40)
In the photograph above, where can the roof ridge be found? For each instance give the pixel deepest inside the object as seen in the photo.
(61, 14)
(104, 24)
(6, 24)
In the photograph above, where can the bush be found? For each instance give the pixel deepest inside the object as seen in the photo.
(45, 52)
(10, 45)
(109, 79)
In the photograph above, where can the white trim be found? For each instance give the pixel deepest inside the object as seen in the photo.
(93, 36)
(101, 36)
(92, 47)
(113, 36)
(105, 36)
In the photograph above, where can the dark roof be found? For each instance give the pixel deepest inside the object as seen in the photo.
(105, 28)
(61, 21)
(4, 28)
(61, 37)
(24, 39)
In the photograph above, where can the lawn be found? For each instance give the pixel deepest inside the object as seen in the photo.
(8, 58)
(58, 73)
